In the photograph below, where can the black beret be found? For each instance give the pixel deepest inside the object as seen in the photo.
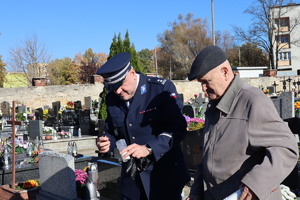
(208, 58)
(114, 71)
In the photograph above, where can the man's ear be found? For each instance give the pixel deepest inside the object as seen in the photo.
(225, 72)
(131, 72)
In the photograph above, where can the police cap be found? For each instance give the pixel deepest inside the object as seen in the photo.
(208, 58)
(114, 71)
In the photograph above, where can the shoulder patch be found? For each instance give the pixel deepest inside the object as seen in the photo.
(156, 80)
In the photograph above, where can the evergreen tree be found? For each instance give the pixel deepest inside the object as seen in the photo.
(126, 43)
(113, 47)
(2, 72)
(120, 45)
(102, 110)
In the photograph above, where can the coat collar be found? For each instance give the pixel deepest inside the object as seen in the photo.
(226, 101)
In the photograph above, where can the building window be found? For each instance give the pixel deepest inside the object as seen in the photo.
(282, 22)
(284, 55)
(283, 38)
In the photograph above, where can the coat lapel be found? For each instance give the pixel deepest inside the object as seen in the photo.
(139, 95)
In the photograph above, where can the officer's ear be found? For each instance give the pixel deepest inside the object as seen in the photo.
(131, 72)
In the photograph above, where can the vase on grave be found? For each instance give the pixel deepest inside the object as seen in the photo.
(191, 147)
(48, 137)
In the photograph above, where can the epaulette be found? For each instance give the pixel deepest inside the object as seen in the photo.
(156, 80)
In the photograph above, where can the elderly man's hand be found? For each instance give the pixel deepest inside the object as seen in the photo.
(192, 198)
(103, 144)
(247, 194)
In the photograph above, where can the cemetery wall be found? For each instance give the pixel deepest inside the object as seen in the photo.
(190, 88)
(35, 97)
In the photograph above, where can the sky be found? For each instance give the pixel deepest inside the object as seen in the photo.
(69, 27)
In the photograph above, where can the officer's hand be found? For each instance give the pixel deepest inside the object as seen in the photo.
(103, 144)
(136, 151)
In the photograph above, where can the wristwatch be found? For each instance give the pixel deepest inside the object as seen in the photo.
(149, 149)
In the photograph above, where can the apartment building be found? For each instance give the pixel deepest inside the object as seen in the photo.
(286, 35)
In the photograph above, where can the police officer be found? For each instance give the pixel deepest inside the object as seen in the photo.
(146, 112)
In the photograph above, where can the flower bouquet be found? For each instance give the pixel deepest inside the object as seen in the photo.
(81, 179)
(70, 105)
(194, 123)
(62, 134)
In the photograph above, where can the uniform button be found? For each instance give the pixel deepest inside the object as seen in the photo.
(129, 124)
(133, 138)
(161, 155)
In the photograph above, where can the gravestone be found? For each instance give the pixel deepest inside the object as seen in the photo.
(51, 112)
(5, 134)
(57, 176)
(88, 102)
(56, 107)
(46, 107)
(68, 118)
(271, 89)
(77, 105)
(5, 109)
(35, 128)
(188, 110)
(51, 121)
(284, 104)
(84, 121)
(21, 109)
(39, 114)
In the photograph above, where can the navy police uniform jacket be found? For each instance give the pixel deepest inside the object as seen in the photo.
(154, 118)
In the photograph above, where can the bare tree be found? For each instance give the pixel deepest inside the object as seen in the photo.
(265, 28)
(180, 45)
(31, 58)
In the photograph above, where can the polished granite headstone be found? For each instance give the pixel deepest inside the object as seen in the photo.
(284, 104)
(57, 176)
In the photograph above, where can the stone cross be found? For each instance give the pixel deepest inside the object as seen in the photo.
(284, 84)
(298, 84)
(289, 80)
(275, 85)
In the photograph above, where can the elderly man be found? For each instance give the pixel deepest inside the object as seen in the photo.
(146, 112)
(247, 147)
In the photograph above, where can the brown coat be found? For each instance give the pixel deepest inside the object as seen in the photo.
(245, 141)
